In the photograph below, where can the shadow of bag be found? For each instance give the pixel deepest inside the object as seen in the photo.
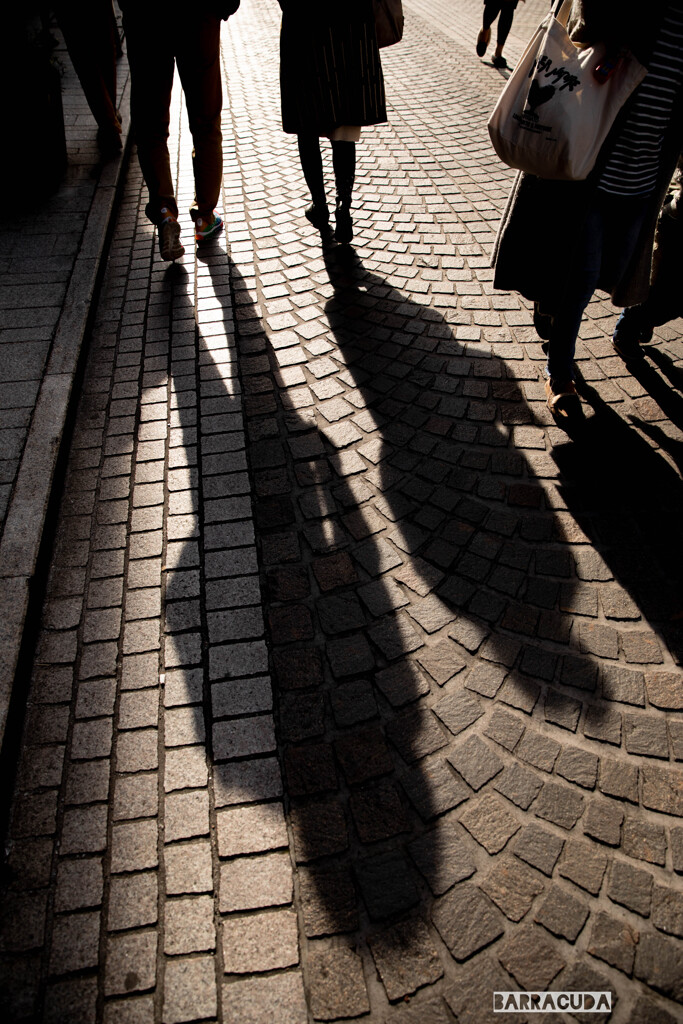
(388, 22)
(554, 114)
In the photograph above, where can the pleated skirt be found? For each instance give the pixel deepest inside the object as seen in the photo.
(330, 68)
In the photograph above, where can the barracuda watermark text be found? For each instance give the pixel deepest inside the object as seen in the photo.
(546, 1002)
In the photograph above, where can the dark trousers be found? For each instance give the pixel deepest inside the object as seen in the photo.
(506, 10)
(91, 37)
(154, 48)
(606, 245)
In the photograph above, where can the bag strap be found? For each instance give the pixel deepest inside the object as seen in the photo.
(562, 10)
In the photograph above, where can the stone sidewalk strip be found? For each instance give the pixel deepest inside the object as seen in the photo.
(357, 693)
(50, 257)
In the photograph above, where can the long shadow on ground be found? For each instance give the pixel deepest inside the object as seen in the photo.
(432, 634)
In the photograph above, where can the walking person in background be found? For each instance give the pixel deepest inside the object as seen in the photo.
(161, 34)
(560, 240)
(331, 85)
(92, 40)
(504, 10)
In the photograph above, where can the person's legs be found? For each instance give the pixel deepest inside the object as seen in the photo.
(491, 12)
(507, 13)
(91, 38)
(344, 163)
(312, 166)
(150, 56)
(198, 57)
(633, 329)
(581, 280)
(607, 244)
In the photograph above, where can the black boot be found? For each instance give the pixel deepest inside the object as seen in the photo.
(312, 166)
(344, 162)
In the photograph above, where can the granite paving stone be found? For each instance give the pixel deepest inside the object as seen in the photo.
(260, 942)
(132, 901)
(261, 999)
(189, 925)
(136, 796)
(337, 984)
(614, 942)
(248, 883)
(131, 962)
(538, 847)
(562, 913)
(530, 958)
(466, 920)
(405, 957)
(189, 990)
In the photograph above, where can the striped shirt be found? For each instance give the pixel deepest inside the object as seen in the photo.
(632, 166)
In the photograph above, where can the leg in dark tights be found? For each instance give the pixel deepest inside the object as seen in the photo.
(504, 10)
(312, 166)
(491, 12)
(507, 13)
(344, 163)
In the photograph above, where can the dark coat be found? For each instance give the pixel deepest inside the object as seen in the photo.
(665, 301)
(330, 70)
(542, 218)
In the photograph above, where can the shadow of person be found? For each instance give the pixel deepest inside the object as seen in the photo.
(672, 445)
(663, 387)
(627, 498)
(662, 359)
(383, 491)
(429, 612)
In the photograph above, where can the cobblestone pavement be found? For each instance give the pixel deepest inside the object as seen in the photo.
(50, 250)
(358, 689)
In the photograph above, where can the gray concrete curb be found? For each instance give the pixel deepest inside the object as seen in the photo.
(26, 516)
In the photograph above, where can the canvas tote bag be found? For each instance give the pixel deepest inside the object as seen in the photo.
(553, 115)
(388, 22)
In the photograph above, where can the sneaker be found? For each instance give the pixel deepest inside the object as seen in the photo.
(499, 62)
(205, 229)
(483, 41)
(170, 246)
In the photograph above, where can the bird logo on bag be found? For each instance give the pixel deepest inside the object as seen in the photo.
(538, 95)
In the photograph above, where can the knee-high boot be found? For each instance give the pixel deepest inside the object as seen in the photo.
(312, 166)
(344, 163)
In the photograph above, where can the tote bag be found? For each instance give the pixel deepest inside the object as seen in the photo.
(388, 22)
(553, 116)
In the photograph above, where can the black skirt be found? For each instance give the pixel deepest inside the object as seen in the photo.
(330, 69)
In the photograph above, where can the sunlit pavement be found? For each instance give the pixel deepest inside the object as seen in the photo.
(358, 688)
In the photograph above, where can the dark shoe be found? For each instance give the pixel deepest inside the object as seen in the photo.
(563, 400)
(318, 215)
(109, 139)
(629, 334)
(483, 41)
(343, 231)
(499, 62)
